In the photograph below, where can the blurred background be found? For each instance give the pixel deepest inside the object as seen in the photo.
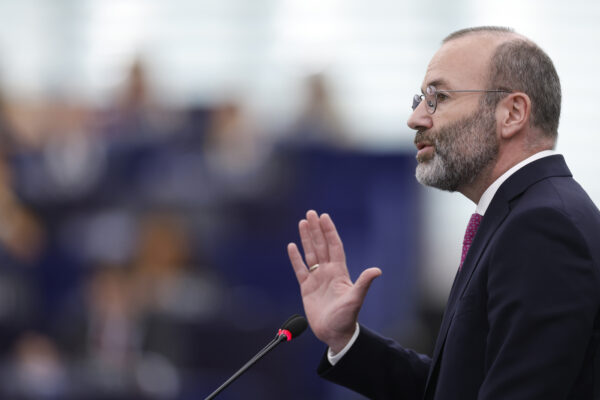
(156, 156)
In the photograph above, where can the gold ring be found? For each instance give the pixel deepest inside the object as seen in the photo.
(311, 269)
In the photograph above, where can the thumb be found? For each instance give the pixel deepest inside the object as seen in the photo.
(363, 283)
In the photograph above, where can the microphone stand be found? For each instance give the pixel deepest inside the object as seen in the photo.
(280, 338)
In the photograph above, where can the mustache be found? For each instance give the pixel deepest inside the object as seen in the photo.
(421, 136)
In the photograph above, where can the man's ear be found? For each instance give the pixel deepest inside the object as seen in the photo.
(513, 114)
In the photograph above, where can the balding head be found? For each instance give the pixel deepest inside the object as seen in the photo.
(498, 31)
(520, 65)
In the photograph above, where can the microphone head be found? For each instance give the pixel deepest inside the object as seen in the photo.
(295, 325)
(287, 321)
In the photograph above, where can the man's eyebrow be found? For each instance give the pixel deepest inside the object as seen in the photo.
(436, 83)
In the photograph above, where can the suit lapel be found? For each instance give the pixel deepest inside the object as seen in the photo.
(496, 213)
(489, 224)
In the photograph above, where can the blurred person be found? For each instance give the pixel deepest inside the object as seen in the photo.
(106, 333)
(21, 233)
(8, 133)
(38, 370)
(170, 289)
(20, 299)
(137, 114)
(73, 159)
(236, 156)
(319, 123)
(523, 316)
(22, 243)
(112, 332)
(22, 124)
(32, 123)
(55, 151)
(113, 336)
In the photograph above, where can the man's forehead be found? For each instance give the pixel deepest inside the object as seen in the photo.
(462, 63)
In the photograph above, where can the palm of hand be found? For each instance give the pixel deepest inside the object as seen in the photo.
(331, 301)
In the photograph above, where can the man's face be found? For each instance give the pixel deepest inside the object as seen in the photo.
(459, 140)
(460, 150)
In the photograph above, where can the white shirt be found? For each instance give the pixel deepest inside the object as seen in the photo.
(490, 192)
(482, 206)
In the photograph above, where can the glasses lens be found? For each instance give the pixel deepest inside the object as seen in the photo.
(416, 101)
(431, 99)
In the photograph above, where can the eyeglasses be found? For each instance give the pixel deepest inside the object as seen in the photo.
(432, 96)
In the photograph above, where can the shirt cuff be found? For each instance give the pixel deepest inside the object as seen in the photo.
(334, 358)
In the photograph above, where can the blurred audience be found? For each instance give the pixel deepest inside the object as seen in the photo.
(116, 228)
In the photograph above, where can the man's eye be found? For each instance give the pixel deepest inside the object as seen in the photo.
(441, 96)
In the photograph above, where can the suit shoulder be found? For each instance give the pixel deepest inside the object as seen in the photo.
(552, 208)
(562, 195)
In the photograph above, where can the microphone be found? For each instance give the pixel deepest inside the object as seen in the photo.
(290, 329)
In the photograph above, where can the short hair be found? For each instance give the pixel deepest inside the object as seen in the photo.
(521, 65)
(478, 29)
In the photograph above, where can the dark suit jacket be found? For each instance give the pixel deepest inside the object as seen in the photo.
(522, 320)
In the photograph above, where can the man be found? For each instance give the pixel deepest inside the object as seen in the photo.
(522, 320)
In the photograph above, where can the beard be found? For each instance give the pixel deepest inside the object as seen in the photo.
(462, 150)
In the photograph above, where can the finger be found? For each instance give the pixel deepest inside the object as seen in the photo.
(317, 237)
(297, 263)
(363, 283)
(334, 243)
(309, 252)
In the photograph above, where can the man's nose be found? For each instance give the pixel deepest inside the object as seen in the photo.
(420, 119)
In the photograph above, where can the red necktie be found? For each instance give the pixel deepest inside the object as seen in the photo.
(469, 235)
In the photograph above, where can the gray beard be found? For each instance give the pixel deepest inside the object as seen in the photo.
(462, 151)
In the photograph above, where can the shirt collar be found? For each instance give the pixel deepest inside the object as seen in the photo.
(488, 195)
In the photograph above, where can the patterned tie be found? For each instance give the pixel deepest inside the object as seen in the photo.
(469, 235)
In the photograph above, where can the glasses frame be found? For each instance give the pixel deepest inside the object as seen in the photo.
(431, 96)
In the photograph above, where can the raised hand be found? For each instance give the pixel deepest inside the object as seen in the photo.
(331, 301)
